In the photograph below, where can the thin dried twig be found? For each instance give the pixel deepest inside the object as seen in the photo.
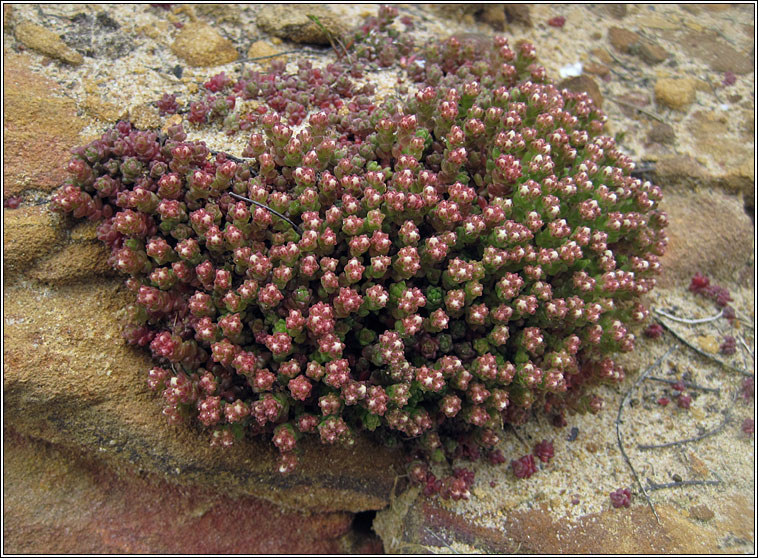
(660, 486)
(626, 398)
(689, 385)
(267, 208)
(742, 342)
(638, 109)
(267, 56)
(700, 352)
(232, 157)
(621, 63)
(687, 320)
(707, 434)
(439, 539)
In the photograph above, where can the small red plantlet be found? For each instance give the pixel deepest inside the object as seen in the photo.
(728, 346)
(524, 467)
(748, 426)
(621, 498)
(747, 390)
(684, 400)
(544, 450)
(12, 202)
(557, 21)
(653, 331)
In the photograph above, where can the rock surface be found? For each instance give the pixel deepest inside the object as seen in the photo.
(292, 22)
(60, 502)
(675, 93)
(45, 41)
(87, 451)
(199, 44)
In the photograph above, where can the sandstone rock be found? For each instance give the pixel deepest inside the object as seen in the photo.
(661, 132)
(494, 16)
(597, 69)
(631, 101)
(651, 53)
(145, 117)
(76, 261)
(622, 39)
(158, 31)
(415, 524)
(71, 380)
(719, 55)
(680, 170)
(602, 55)
(710, 130)
(41, 125)
(581, 84)
(708, 232)
(702, 512)
(676, 93)
(46, 42)
(29, 234)
(103, 110)
(9, 17)
(221, 13)
(57, 501)
(518, 13)
(617, 11)
(199, 44)
(262, 48)
(292, 22)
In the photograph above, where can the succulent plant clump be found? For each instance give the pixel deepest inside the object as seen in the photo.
(427, 269)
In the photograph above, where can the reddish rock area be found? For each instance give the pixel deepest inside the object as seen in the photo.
(60, 502)
(40, 126)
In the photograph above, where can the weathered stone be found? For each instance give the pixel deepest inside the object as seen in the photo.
(603, 55)
(41, 126)
(46, 42)
(676, 93)
(622, 39)
(29, 234)
(420, 525)
(221, 13)
(82, 386)
(702, 512)
(710, 129)
(583, 84)
(650, 52)
(597, 69)
(617, 11)
(145, 117)
(631, 101)
(103, 110)
(9, 17)
(661, 132)
(76, 261)
(262, 48)
(708, 233)
(291, 22)
(199, 44)
(494, 16)
(680, 170)
(158, 31)
(57, 501)
(518, 13)
(720, 56)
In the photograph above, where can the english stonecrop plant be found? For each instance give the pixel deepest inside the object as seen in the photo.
(427, 269)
